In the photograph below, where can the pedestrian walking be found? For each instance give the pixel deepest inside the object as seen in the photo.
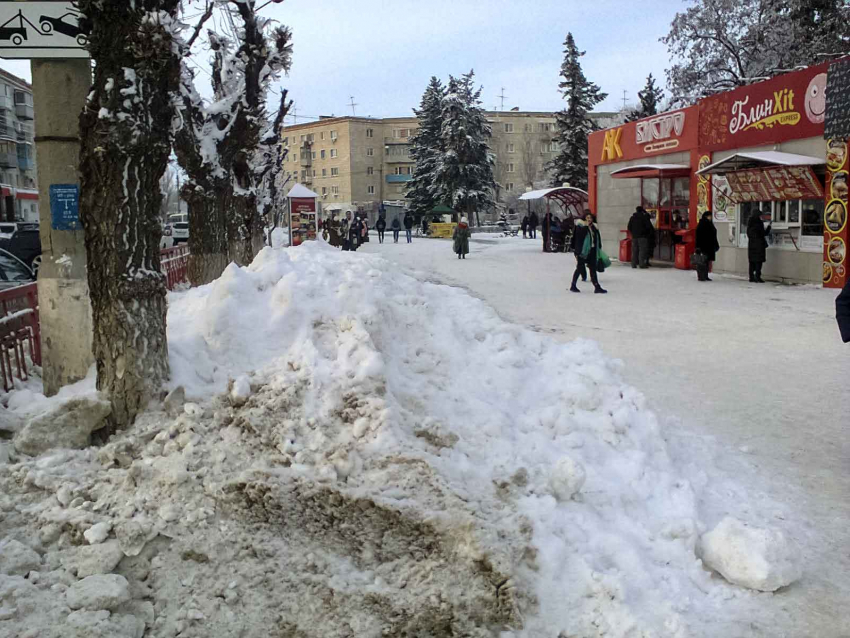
(524, 226)
(842, 313)
(354, 232)
(461, 238)
(756, 246)
(424, 226)
(640, 228)
(408, 226)
(345, 229)
(587, 246)
(706, 239)
(381, 226)
(396, 226)
(547, 232)
(533, 223)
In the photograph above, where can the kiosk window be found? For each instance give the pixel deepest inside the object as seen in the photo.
(649, 192)
(681, 192)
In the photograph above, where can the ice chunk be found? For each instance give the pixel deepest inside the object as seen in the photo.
(101, 591)
(752, 557)
(567, 478)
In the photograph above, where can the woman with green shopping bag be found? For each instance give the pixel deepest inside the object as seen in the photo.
(587, 246)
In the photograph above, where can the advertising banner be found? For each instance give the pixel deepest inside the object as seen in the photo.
(835, 229)
(302, 223)
(790, 106)
(777, 183)
(670, 132)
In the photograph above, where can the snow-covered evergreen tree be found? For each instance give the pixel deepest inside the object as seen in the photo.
(650, 99)
(463, 176)
(425, 148)
(574, 123)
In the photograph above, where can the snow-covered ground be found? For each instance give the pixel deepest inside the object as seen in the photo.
(361, 452)
(751, 382)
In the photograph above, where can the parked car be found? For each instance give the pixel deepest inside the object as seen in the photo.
(179, 227)
(13, 272)
(25, 244)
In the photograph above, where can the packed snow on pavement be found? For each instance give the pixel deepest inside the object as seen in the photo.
(350, 451)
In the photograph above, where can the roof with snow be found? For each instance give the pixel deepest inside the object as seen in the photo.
(741, 161)
(299, 190)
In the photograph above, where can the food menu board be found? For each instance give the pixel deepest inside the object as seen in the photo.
(776, 183)
(302, 220)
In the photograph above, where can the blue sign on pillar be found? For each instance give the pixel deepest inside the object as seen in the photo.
(65, 206)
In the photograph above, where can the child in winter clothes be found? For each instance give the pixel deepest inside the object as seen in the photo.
(700, 263)
(461, 238)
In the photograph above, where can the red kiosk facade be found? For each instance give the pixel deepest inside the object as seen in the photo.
(757, 149)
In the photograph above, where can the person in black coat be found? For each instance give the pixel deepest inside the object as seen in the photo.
(524, 226)
(757, 246)
(396, 226)
(533, 222)
(640, 228)
(381, 227)
(408, 227)
(842, 313)
(586, 252)
(547, 232)
(707, 238)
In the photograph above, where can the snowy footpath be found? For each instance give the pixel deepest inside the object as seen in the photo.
(352, 451)
(750, 382)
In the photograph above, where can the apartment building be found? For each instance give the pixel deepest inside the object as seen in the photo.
(358, 163)
(18, 179)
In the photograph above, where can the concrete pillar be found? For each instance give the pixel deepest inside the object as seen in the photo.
(60, 88)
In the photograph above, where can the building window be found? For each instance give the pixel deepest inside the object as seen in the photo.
(334, 172)
(509, 127)
(322, 154)
(370, 170)
(324, 190)
(314, 172)
(554, 147)
(511, 148)
(333, 153)
(403, 170)
(286, 141)
(546, 127)
(303, 137)
(370, 190)
(324, 172)
(529, 128)
(322, 135)
(370, 152)
(510, 168)
(402, 132)
(335, 190)
(509, 186)
(313, 155)
(333, 135)
(370, 132)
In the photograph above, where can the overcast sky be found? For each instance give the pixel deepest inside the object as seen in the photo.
(383, 53)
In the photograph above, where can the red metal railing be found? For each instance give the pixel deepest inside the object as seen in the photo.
(20, 332)
(20, 335)
(175, 264)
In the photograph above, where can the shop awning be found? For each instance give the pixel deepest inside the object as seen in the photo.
(652, 170)
(760, 159)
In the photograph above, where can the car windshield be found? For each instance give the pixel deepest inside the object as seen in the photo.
(13, 270)
(182, 225)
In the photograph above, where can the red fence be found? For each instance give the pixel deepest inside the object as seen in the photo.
(20, 332)
(175, 264)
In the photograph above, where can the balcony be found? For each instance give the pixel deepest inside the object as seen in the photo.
(8, 160)
(6, 103)
(25, 163)
(6, 131)
(23, 135)
(398, 179)
(24, 111)
(306, 159)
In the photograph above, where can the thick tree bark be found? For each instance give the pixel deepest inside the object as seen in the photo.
(207, 245)
(125, 144)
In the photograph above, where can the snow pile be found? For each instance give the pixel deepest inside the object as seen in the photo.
(361, 454)
(280, 237)
(756, 558)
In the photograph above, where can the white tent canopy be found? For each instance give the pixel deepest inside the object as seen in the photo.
(539, 194)
(299, 190)
(759, 159)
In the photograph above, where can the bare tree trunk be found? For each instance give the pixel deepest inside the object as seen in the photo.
(207, 245)
(125, 144)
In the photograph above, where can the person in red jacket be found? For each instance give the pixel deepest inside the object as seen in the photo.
(842, 313)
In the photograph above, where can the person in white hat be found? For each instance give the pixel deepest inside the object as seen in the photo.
(461, 238)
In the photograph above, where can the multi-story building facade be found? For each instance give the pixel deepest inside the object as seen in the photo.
(356, 162)
(18, 178)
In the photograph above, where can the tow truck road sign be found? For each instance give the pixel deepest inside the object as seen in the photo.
(41, 30)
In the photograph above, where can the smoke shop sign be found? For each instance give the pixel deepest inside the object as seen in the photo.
(655, 133)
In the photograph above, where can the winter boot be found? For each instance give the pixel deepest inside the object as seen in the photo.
(574, 289)
(599, 290)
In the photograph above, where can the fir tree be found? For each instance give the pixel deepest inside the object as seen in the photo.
(650, 98)
(463, 176)
(425, 147)
(574, 123)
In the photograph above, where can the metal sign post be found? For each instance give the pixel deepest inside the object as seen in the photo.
(49, 34)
